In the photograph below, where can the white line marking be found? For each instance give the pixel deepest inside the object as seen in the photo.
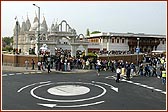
(112, 87)
(39, 72)
(18, 73)
(26, 73)
(83, 105)
(163, 92)
(129, 81)
(139, 84)
(11, 74)
(4, 75)
(31, 85)
(45, 99)
(158, 90)
(144, 85)
(150, 87)
(32, 72)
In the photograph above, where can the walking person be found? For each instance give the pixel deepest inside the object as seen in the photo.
(128, 71)
(118, 72)
(48, 68)
(154, 71)
(68, 66)
(33, 63)
(87, 64)
(98, 65)
(39, 65)
(163, 76)
(141, 70)
(26, 64)
(65, 65)
(42, 66)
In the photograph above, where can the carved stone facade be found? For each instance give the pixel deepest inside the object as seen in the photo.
(58, 36)
(63, 36)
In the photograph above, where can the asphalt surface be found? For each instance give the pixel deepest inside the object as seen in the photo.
(29, 91)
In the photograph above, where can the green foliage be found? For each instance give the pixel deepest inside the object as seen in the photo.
(94, 32)
(8, 40)
(92, 55)
(87, 32)
(7, 48)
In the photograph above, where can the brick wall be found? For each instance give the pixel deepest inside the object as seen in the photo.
(18, 60)
(128, 58)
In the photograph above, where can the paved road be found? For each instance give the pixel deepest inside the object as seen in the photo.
(59, 91)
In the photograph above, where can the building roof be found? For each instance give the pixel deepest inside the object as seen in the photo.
(110, 34)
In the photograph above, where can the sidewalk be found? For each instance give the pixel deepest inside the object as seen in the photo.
(23, 69)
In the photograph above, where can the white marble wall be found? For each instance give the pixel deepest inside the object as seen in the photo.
(161, 47)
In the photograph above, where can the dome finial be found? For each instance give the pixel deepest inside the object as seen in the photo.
(27, 16)
(43, 16)
(35, 14)
(16, 18)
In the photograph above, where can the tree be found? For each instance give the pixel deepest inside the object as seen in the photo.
(7, 43)
(7, 40)
(87, 32)
(94, 32)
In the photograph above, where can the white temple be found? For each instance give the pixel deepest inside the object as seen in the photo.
(63, 36)
(57, 36)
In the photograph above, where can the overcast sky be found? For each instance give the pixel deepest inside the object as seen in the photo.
(105, 16)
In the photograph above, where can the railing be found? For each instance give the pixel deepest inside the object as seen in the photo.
(143, 43)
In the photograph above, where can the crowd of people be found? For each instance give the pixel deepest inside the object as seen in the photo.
(113, 52)
(155, 67)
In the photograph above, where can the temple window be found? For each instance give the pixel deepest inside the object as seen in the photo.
(118, 40)
(162, 41)
(112, 40)
(123, 41)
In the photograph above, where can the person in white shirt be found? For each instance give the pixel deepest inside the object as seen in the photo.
(118, 71)
(26, 63)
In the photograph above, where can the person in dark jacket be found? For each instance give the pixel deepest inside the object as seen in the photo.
(128, 72)
(33, 63)
(49, 68)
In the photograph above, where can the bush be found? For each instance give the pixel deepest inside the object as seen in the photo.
(7, 48)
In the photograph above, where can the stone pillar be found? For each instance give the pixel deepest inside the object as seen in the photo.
(73, 50)
(108, 46)
(86, 50)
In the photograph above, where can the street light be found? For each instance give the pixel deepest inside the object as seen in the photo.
(38, 30)
(17, 28)
(137, 50)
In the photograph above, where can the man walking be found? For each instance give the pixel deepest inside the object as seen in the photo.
(26, 64)
(49, 68)
(33, 63)
(118, 71)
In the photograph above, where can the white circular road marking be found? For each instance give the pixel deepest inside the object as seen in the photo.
(77, 100)
(68, 90)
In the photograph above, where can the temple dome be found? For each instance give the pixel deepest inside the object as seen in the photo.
(35, 24)
(43, 26)
(28, 24)
(24, 27)
(14, 30)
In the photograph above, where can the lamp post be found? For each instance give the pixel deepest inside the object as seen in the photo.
(38, 41)
(138, 49)
(17, 28)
